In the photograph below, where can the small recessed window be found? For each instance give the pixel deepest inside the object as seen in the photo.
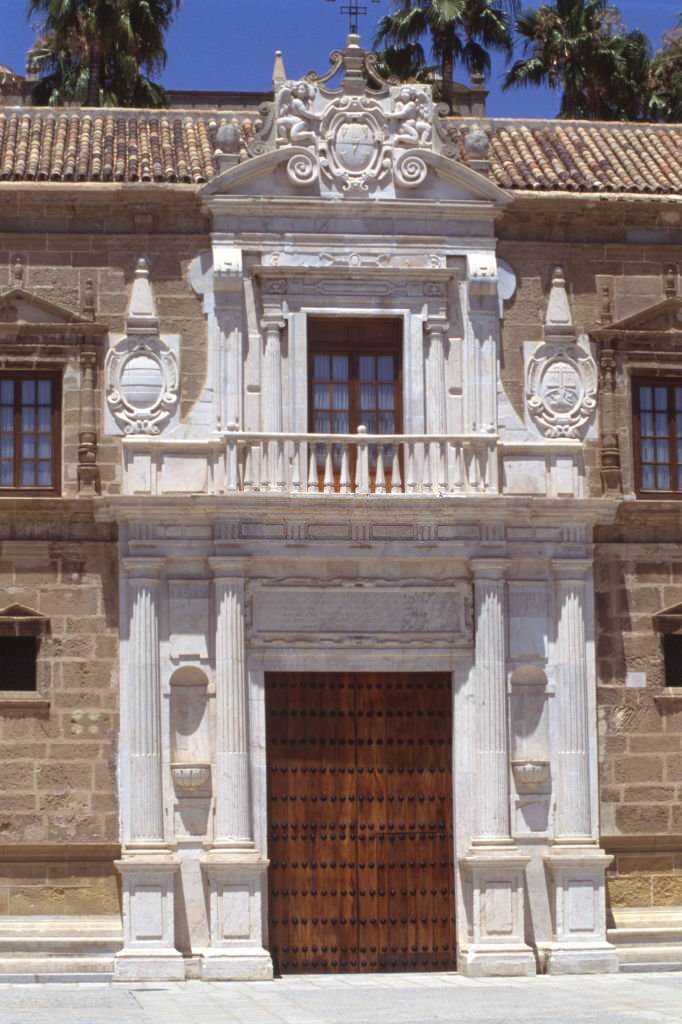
(672, 657)
(18, 656)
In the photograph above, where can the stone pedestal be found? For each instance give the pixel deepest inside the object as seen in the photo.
(235, 882)
(579, 912)
(148, 884)
(498, 947)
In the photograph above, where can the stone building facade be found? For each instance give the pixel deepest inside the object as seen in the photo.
(340, 542)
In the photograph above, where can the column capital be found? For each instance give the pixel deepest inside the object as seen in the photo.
(88, 358)
(143, 569)
(435, 325)
(229, 568)
(272, 320)
(489, 568)
(571, 569)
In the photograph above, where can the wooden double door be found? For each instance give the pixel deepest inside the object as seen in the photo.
(360, 822)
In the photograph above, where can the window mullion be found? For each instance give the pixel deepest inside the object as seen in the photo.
(672, 447)
(17, 432)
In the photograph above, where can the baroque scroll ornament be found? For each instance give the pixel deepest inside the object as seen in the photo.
(142, 384)
(354, 137)
(561, 390)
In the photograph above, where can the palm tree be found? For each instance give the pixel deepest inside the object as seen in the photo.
(458, 31)
(666, 78)
(101, 52)
(580, 47)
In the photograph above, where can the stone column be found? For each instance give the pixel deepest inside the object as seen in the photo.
(573, 811)
(144, 710)
(491, 685)
(495, 864)
(147, 866)
(272, 325)
(233, 827)
(482, 343)
(88, 471)
(235, 870)
(576, 862)
(436, 409)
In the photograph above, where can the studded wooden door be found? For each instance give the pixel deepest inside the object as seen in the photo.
(360, 822)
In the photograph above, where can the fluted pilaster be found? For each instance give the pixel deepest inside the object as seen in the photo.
(144, 713)
(491, 700)
(232, 787)
(436, 414)
(573, 815)
(272, 418)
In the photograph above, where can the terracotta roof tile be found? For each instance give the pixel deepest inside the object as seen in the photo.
(71, 145)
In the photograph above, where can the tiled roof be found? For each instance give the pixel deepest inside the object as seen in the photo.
(42, 144)
(584, 156)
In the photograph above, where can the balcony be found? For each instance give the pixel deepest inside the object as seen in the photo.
(343, 465)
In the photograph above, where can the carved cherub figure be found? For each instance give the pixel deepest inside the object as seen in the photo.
(296, 120)
(411, 115)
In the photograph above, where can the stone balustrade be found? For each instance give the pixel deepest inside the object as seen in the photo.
(346, 464)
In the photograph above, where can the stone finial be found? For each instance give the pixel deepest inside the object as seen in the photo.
(670, 281)
(18, 273)
(559, 320)
(606, 305)
(228, 145)
(279, 75)
(477, 148)
(142, 317)
(89, 304)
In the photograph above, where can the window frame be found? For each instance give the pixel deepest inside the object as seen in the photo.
(323, 339)
(55, 489)
(658, 494)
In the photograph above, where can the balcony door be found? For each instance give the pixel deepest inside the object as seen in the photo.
(354, 375)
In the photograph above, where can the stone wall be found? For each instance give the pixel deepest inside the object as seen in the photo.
(638, 572)
(65, 239)
(606, 259)
(58, 793)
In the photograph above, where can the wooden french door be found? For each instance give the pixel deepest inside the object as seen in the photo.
(360, 822)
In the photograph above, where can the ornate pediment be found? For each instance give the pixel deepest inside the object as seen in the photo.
(21, 309)
(662, 319)
(368, 138)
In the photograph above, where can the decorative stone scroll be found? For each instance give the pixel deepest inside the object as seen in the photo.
(142, 384)
(355, 137)
(142, 373)
(561, 376)
(561, 390)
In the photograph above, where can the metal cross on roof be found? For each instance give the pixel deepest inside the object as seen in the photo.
(353, 10)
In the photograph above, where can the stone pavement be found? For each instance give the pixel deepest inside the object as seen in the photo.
(369, 999)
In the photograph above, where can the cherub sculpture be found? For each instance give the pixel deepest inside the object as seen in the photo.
(411, 115)
(296, 120)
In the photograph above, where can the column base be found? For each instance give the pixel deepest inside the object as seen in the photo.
(601, 958)
(579, 945)
(498, 961)
(497, 873)
(235, 877)
(148, 889)
(149, 965)
(235, 964)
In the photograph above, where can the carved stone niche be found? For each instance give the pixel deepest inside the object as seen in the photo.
(530, 749)
(190, 749)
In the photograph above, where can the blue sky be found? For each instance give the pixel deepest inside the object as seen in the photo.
(229, 44)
